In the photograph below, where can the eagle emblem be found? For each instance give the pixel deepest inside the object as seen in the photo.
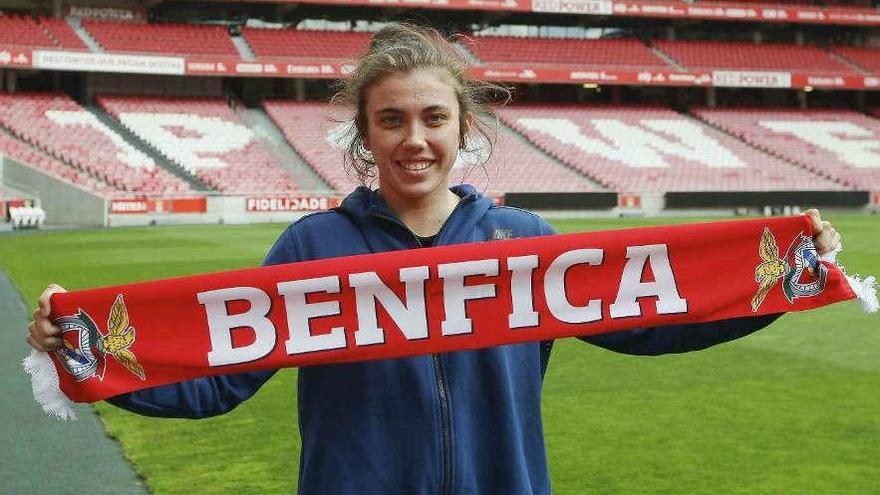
(85, 348)
(802, 272)
(771, 269)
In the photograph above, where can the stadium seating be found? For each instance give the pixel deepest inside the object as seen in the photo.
(629, 54)
(840, 144)
(751, 56)
(56, 124)
(652, 149)
(515, 166)
(204, 136)
(63, 34)
(868, 58)
(292, 43)
(30, 156)
(38, 32)
(165, 39)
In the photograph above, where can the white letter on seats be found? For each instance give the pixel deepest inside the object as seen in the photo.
(299, 312)
(554, 287)
(523, 313)
(455, 293)
(221, 323)
(631, 285)
(411, 317)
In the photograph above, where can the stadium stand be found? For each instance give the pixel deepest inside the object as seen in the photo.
(841, 144)
(38, 32)
(867, 58)
(652, 149)
(59, 126)
(770, 3)
(61, 32)
(514, 166)
(205, 137)
(751, 56)
(292, 43)
(166, 38)
(31, 157)
(580, 53)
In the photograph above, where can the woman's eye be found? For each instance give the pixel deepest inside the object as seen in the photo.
(390, 120)
(436, 118)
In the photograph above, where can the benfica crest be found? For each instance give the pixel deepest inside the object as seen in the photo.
(801, 271)
(85, 348)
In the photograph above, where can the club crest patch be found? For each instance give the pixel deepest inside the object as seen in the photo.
(801, 271)
(85, 348)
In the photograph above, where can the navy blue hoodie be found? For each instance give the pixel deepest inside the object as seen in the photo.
(463, 422)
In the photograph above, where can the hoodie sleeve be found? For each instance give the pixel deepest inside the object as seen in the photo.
(674, 339)
(208, 396)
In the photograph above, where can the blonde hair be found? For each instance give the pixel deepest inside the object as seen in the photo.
(401, 48)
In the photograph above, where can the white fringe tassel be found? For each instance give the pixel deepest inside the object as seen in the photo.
(44, 381)
(865, 289)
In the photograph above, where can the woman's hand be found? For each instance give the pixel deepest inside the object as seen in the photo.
(42, 335)
(825, 237)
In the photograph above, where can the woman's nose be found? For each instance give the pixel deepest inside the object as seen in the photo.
(415, 136)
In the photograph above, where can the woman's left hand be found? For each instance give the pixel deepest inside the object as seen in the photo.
(825, 237)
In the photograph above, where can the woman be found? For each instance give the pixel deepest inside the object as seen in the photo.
(461, 422)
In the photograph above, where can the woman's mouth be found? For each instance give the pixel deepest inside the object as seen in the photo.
(415, 165)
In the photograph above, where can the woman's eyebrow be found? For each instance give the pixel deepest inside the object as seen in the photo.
(436, 108)
(388, 110)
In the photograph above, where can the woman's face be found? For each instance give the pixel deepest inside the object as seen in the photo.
(413, 132)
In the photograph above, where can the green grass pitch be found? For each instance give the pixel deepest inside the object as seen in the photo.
(792, 409)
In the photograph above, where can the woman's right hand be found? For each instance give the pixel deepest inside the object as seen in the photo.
(42, 335)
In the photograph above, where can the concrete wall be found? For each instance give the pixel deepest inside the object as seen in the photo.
(64, 203)
(220, 209)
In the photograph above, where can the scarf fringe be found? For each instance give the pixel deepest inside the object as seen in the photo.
(864, 289)
(44, 382)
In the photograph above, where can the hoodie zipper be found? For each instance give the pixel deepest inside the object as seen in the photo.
(439, 375)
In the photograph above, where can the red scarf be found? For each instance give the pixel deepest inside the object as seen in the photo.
(468, 296)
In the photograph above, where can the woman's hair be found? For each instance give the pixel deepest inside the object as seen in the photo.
(401, 48)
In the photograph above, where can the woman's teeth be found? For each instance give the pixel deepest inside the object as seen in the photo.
(415, 166)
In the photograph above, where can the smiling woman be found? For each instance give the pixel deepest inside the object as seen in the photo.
(413, 134)
(456, 422)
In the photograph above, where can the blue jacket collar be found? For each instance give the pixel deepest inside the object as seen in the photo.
(367, 209)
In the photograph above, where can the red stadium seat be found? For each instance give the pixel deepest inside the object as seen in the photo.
(38, 32)
(708, 55)
(32, 157)
(839, 144)
(164, 38)
(652, 149)
(628, 54)
(59, 126)
(867, 58)
(292, 43)
(205, 137)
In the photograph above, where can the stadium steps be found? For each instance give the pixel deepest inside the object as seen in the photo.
(513, 133)
(274, 142)
(158, 157)
(244, 50)
(7, 133)
(668, 58)
(849, 63)
(76, 24)
(764, 150)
